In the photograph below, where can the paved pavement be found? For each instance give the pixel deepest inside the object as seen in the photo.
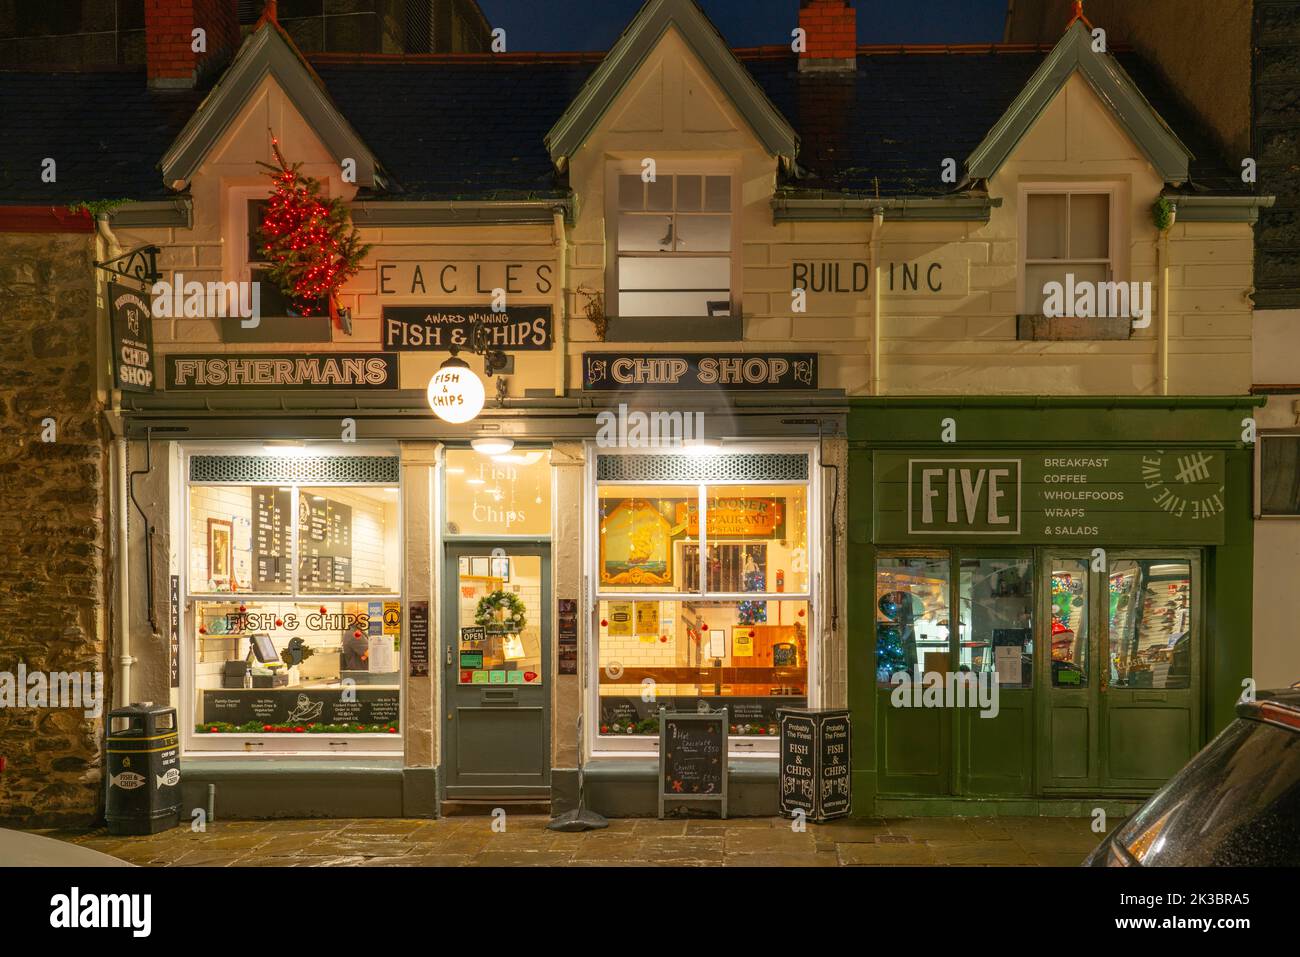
(463, 841)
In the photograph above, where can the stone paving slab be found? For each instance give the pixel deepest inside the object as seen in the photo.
(639, 842)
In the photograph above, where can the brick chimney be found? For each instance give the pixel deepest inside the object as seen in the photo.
(831, 31)
(169, 27)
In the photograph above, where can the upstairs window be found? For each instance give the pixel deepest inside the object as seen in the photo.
(674, 246)
(1065, 231)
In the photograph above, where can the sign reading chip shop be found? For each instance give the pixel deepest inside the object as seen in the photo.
(732, 371)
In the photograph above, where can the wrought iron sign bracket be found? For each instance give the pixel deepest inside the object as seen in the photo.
(139, 265)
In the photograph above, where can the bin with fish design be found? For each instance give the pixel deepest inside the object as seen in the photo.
(142, 770)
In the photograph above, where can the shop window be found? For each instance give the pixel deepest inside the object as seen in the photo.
(673, 242)
(1150, 623)
(913, 620)
(750, 657)
(1070, 623)
(498, 495)
(703, 595)
(1065, 232)
(296, 606)
(997, 619)
(1279, 475)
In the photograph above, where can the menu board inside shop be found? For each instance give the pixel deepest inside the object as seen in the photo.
(324, 543)
(272, 514)
(1156, 496)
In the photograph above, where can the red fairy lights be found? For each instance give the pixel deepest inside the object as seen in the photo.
(309, 241)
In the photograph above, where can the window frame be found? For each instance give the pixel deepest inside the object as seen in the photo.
(672, 328)
(272, 744)
(599, 747)
(1117, 262)
(1259, 513)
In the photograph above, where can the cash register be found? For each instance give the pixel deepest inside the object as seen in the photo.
(260, 668)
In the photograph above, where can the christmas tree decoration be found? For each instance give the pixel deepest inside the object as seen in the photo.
(310, 241)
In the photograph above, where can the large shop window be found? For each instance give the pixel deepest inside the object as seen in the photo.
(704, 591)
(994, 617)
(1150, 615)
(1066, 232)
(294, 586)
(674, 242)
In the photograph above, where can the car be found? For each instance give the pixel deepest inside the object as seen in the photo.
(1236, 804)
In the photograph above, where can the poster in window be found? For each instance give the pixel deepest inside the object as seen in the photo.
(742, 642)
(635, 545)
(647, 620)
(620, 619)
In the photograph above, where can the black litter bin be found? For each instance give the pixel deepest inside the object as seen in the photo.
(143, 770)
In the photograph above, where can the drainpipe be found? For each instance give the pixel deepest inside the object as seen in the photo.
(877, 223)
(122, 619)
(561, 316)
(1162, 265)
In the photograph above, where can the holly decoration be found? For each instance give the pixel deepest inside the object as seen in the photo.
(310, 241)
(258, 727)
(501, 612)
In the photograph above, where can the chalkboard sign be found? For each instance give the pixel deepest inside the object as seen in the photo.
(271, 547)
(815, 763)
(324, 543)
(692, 757)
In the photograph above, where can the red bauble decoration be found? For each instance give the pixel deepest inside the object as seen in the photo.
(323, 611)
(356, 634)
(203, 629)
(242, 608)
(279, 623)
(800, 612)
(663, 638)
(298, 730)
(604, 623)
(392, 731)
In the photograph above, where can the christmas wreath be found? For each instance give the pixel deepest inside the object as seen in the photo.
(309, 241)
(501, 612)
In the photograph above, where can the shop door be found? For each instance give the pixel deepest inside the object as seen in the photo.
(496, 648)
(1121, 711)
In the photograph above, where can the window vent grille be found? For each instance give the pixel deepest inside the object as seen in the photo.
(267, 469)
(738, 467)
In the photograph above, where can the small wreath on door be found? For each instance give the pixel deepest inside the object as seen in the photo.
(501, 612)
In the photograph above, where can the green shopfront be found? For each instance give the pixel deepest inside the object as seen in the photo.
(1051, 598)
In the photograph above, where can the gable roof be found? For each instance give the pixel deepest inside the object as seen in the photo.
(268, 51)
(1074, 52)
(630, 51)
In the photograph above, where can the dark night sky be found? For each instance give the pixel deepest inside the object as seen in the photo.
(595, 24)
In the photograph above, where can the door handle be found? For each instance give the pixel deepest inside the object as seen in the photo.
(449, 656)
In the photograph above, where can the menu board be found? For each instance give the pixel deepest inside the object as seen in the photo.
(693, 757)
(324, 543)
(303, 707)
(272, 520)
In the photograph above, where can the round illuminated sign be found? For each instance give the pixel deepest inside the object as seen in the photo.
(455, 394)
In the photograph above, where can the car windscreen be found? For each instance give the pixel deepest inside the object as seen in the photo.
(1236, 804)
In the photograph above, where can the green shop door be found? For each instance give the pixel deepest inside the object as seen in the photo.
(496, 651)
(1122, 681)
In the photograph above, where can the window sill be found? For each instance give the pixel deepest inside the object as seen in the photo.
(1039, 328)
(675, 329)
(278, 329)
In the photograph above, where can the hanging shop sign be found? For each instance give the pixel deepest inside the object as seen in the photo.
(438, 328)
(282, 370)
(435, 278)
(130, 318)
(734, 371)
(1159, 497)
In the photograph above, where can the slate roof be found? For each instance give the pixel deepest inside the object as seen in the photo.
(105, 131)
(472, 127)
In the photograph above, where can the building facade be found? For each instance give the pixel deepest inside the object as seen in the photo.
(776, 393)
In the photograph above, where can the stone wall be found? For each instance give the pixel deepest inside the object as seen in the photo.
(52, 534)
